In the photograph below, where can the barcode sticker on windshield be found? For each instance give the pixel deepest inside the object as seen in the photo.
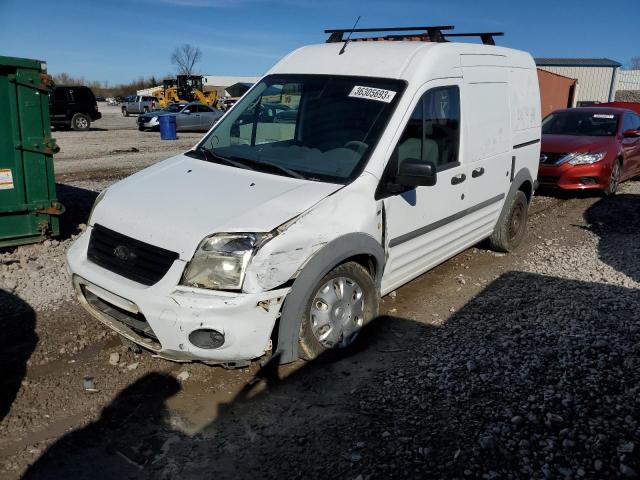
(6, 179)
(601, 115)
(378, 94)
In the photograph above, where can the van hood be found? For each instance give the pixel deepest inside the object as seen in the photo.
(175, 204)
(575, 143)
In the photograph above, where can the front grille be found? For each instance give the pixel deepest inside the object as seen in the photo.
(126, 256)
(551, 158)
(548, 180)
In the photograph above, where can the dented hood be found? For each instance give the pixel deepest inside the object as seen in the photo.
(177, 203)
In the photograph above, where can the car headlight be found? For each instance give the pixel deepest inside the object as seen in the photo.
(221, 260)
(586, 158)
(95, 204)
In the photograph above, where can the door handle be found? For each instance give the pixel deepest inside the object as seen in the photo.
(458, 179)
(477, 172)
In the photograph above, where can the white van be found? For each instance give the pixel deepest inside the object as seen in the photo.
(336, 179)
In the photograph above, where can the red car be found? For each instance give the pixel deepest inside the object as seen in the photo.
(589, 148)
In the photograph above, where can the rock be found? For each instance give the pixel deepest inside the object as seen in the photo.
(517, 420)
(597, 465)
(487, 442)
(184, 375)
(133, 366)
(627, 471)
(471, 366)
(385, 434)
(626, 447)
(114, 358)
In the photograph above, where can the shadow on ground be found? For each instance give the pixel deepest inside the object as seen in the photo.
(536, 377)
(616, 220)
(18, 340)
(77, 202)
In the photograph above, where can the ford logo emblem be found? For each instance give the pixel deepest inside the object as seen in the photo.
(543, 158)
(123, 253)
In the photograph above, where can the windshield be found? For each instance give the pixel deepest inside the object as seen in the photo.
(317, 127)
(583, 123)
(173, 108)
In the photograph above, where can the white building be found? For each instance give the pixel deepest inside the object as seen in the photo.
(221, 82)
(597, 77)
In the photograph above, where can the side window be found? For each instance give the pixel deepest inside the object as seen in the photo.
(441, 126)
(628, 122)
(60, 95)
(433, 131)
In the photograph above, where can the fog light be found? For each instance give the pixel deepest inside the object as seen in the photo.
(207, 338)
(588, 180)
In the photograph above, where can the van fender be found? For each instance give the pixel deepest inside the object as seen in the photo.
(322, 262)
(519, 179)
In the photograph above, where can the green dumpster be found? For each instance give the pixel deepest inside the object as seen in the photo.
(29, 209)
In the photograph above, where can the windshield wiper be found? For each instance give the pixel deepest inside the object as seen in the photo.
(261, 163)
(280, 168)
(212, 157)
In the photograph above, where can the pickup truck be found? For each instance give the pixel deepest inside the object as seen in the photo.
(139, 104)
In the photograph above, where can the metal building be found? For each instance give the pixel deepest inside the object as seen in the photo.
(596, 77)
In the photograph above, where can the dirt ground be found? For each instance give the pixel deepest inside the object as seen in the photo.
(489, 366)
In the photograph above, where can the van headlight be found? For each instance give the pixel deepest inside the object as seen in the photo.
(586, 158)
(221, 260)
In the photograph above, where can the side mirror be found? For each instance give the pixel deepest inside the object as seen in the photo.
(187, 112)
(631, 133)
(416, 173)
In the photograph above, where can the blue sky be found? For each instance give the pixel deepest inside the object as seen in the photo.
(119, 40)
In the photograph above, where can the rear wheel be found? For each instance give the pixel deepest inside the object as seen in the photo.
(342, 302)
(614, 179)
(80, 122)
(510, 231)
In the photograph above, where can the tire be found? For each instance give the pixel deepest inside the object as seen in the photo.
(141, 128)
(353, 310)
(125, 112)
(510, 231)
(80, 122)
(614, 180)
(146, 109)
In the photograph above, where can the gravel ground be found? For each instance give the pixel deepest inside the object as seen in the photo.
(489, 366)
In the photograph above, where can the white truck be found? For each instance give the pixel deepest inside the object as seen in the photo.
(139, 104)
(282, 237)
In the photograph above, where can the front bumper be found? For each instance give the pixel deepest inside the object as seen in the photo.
(161, 317)
(575, 177)
(150, 123)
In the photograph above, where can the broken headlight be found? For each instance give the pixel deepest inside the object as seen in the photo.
(221, 260)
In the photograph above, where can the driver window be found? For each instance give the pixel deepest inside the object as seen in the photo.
(433, 131)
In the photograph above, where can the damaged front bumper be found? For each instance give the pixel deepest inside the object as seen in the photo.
(162, 318)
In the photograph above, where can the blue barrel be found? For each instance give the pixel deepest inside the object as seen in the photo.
(167, 127)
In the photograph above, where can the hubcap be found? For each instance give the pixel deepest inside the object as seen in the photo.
(337, 312)
(516, 221)
(81, 122)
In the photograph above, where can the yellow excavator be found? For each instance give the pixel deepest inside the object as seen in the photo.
(183, 89)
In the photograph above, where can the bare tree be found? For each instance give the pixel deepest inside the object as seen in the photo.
(185, 58)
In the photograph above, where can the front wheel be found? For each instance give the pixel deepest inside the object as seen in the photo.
(510, 230)
(125, 112)
(614, 180)
(146, 109)
(342, 302)
(80, 122)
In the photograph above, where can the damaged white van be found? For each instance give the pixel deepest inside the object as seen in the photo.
(345, 172)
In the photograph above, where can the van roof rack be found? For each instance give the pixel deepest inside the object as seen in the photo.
(433, 33)
(486, 37)
(426, 34)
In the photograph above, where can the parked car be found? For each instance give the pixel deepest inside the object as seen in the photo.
(267, 112)
(100, 98)
(139, 104)
(282, 237)
(589, 148)
(193, 116)
(73, 107)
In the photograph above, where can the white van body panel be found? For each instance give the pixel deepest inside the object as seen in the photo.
(177, 203)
